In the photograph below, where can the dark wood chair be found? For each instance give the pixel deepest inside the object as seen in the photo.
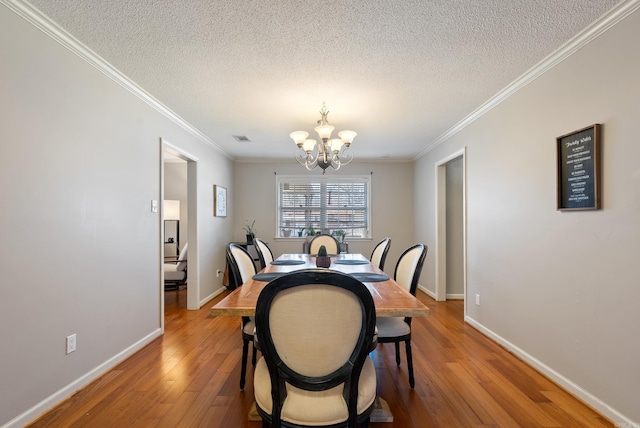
(396, 329)
(265, 255)
(242, 270)
(315, 329)
(379, 253)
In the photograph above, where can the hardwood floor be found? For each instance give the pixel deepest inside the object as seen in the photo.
(189, 378)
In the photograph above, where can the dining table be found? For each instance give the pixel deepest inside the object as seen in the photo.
(389, 297)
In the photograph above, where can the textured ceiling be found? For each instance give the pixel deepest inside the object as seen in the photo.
(399, 72)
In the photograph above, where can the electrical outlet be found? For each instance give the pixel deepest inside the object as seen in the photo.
(477, 299)
(71, 343)
(218, 273)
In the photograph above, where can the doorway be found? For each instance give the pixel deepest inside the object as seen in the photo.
(178, 181)
(451, 257)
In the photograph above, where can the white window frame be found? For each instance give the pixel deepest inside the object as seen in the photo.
(306, 179)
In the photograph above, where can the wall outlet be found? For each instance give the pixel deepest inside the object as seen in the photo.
(477, 299)
(71, 343)
(218, 273)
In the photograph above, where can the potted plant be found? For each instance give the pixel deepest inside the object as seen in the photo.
(250, 230)
(339, 234)
(322, 260)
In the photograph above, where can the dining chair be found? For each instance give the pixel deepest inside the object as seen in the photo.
(315, 328)
(242, 269)
(397, 329)
(379, 253)
(265, 255)
(330, 243)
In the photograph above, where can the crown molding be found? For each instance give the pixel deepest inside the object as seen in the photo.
(611, 18)
(39, 20)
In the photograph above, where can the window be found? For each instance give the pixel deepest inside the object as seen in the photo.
(326, 204)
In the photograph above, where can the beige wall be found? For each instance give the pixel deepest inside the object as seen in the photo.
(80, 165)
(391, 204)
(559, 288)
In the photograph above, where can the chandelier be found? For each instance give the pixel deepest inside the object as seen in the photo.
(328, 152)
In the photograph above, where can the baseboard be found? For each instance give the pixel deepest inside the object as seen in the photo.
(455, 296)
(211, 296)
(594, 402)
(62, 394)
(427, 291)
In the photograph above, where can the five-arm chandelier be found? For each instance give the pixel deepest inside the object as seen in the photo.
(328, 152)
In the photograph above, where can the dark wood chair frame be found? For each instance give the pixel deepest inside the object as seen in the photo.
(263, 263)
(412, 289)
(383, 258)
(246, 338)
(349, 373)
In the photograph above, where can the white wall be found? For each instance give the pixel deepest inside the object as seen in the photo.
(80, 165)
(391, 204)
(560, 288)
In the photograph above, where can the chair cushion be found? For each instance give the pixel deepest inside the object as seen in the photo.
(172, 274)
(249, 327)
(392, 327)
(315, 408)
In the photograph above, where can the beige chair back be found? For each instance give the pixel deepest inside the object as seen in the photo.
(409, 267)
(264, 251)
(328, 241)
(379, 253)
(246, 268)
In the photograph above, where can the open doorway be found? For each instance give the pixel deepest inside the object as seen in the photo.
(178, 185)
(451, 259)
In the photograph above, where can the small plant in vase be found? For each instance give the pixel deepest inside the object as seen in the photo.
(322, 260)
(250, 231)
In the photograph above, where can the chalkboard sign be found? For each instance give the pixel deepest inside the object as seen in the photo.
(578, 169)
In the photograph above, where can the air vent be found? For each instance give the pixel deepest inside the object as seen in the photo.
(242, 138)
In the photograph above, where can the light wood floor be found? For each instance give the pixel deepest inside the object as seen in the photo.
(189, 378)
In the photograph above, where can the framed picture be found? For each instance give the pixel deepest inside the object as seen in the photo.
(219, 201)
(578, 155)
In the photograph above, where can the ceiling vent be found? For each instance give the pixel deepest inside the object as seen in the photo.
(242, 138)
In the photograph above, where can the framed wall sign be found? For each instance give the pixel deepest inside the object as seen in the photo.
(219, 201)
(579, 169)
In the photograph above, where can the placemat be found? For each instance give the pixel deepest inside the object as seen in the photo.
(369, 276)
(288, 262)
(267, 276)
(330, 255)
(351, 262)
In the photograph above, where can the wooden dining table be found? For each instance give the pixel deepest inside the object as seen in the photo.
(389, 297)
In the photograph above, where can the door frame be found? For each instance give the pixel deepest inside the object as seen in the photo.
(441, 224)
(193, 290)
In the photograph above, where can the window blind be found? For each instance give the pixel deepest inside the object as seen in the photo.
(306, 204)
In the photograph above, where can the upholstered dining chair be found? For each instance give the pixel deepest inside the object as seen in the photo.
(242, 269)
(395, 329)
(330, 243)
(315, 328)
(265, 255)
(379, 253)
(175, 269)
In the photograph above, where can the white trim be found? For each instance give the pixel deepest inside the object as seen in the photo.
(65, 392)
(615, 416)
(441, 224)
(455, 296)
(57, 33)
(211, 296)
(611, 18)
